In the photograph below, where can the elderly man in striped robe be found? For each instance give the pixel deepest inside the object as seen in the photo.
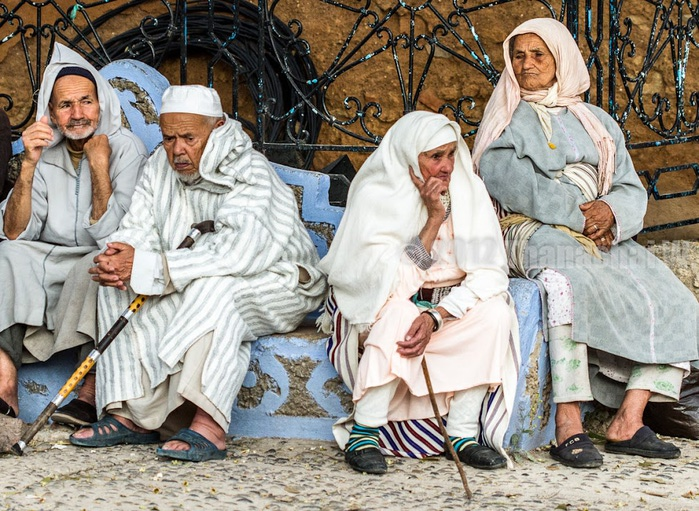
(180, 363)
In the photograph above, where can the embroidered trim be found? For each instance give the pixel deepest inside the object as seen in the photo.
(417, 253)
(446, 202)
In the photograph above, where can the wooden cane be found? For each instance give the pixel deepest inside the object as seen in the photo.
(447, 440)
(89, 362)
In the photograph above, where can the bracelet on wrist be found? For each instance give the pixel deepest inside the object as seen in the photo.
(436, 318)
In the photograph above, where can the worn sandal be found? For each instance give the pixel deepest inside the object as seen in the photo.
(577, 451)
(75, 413)
(644, 443)
(108, 432)
(200, 448)
(6, 409)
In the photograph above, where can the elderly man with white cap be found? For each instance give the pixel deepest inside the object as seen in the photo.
(180, 363)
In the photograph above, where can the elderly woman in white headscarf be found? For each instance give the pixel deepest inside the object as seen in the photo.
(621, 326)
(415, 274)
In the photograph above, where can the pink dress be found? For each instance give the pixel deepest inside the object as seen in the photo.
(464, 353)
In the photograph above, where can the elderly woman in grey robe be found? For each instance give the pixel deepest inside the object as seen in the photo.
(621, 326)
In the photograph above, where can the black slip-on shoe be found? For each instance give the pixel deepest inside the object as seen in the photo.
(369, 460)
(75, 413)
(644, 443)
(578, 451)
(479, 456)
(6, 409)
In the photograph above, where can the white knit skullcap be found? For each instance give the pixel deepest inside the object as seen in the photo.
(191, 99)
(444, 135)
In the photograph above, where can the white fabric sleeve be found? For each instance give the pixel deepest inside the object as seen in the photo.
(147, 275)
(459, 301)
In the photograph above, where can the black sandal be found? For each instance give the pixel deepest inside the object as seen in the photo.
(644, 443)
(6, 409)
(577, 451)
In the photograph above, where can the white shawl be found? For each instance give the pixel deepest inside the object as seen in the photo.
(385, 211)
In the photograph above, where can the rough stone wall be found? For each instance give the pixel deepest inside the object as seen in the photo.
(682, 257)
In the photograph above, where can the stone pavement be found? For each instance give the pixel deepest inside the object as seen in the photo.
(272, 474)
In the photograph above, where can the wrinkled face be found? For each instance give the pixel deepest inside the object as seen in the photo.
(532, 62)
(438, 162)
(74, 108)
(184, 140)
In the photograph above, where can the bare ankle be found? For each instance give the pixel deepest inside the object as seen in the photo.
(623, 428)
(629, 417)
(8, 381)
(205, 425)
(568, 421)
(130, 424)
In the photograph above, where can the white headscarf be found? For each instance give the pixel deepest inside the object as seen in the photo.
(384, 212)
(572, 80)
(110, 108)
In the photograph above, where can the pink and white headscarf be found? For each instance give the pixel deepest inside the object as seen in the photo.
(572, 80)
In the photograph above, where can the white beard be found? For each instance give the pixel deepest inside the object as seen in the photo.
(84, 131)
(189, 179)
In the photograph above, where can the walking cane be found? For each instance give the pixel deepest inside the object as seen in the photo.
(89, 362)
(447, 440)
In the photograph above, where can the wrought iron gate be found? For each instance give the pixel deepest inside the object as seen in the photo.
(300, 93)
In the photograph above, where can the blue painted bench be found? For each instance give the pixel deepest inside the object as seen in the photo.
(291, 389)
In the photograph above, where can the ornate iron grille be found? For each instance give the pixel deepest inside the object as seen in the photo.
(334, 81)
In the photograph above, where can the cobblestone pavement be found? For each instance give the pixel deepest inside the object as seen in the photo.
(275, 474)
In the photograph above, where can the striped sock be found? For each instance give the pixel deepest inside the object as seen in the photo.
(362, 437)
(460, 442)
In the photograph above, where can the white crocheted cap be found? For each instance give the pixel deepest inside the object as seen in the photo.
(191, 99)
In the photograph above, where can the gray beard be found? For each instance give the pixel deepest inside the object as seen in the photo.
(74, 136)
(189, 179)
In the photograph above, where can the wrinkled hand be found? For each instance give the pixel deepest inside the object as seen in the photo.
(113, 266)
(430, 192)
(35, 138)
(599, 221)
(418, 336)
(98, 151)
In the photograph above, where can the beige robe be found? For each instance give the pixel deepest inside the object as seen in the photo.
(44, 271)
